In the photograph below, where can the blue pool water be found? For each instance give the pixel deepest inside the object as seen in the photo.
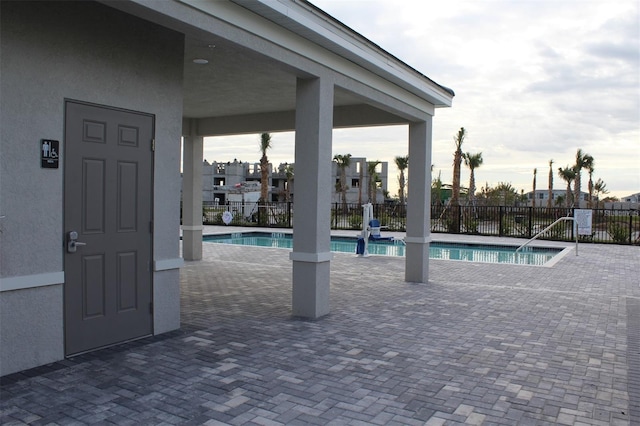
(437, 250)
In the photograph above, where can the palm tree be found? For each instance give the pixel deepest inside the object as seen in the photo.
(265, 144)
(567, 174)
(473, 161)
(436, 189)
(550, 190)
(457, 161)
(591, 166)
(507, 192)
(600, 188)
(535, 174)
(343, 161)
(402, 163)
(582, 162)
(373, 178)
(288, 172)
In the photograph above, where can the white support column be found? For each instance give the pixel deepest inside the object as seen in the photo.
(311, 253)
(192, 197)
(419, 203)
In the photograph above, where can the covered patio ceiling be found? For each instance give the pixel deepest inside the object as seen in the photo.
(238, 85)
(255, 52)
(238, 81)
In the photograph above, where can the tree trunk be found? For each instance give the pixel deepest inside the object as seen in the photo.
(576, 189)
(264, 179)
(455, 195)
(343, 188)
(533, 200)
(472, 187)
(550, 190)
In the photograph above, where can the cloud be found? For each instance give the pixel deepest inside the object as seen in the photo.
(534, 81)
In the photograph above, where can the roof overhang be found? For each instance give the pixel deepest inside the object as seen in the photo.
(257, 49)
(315, 25)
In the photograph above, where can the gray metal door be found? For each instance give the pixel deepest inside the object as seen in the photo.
(107, 219)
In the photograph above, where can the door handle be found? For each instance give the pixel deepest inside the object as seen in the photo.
(73, 243)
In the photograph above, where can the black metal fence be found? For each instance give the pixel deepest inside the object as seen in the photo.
(272, 215)
(608, 226)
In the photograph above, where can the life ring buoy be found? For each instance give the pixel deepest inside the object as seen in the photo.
(227, 217)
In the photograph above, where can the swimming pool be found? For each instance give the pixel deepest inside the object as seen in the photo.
(437, 250)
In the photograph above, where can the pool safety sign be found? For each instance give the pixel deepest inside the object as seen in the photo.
(583, 219)
(49, 154)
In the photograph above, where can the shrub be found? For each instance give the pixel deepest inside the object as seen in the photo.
(397, 225)
(505, 228)
(217, 220)
(281, 219)
(355, 222)
(619, 232)
(471, 226)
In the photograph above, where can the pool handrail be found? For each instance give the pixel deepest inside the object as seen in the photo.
(549, 227)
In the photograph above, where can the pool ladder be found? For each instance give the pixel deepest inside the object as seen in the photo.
(548, 228)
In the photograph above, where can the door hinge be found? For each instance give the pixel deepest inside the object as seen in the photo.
(151, 307)
(153, 145)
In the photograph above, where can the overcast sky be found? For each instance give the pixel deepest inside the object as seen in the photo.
(534, 81)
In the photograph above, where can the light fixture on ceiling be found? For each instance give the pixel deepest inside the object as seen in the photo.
(200, 61)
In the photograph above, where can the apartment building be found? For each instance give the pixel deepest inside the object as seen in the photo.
(221, 178)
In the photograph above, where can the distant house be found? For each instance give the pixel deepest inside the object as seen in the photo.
(542, 195)
(633, 198)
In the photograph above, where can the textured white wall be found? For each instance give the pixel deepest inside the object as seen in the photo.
(39, 309)
(88, 52)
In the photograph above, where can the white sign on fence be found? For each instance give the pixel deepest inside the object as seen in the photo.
(583, 219)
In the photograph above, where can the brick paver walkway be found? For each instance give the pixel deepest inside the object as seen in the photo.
(479, 344)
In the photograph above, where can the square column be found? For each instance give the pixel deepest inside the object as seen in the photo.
(419, 202)
(192, 197)
(311, 253)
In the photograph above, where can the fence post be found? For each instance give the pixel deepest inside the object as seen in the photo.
(500, 221)
(630, 228)
(289, 213)
(529, 229)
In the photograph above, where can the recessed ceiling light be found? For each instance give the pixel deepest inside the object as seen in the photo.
(200, 61)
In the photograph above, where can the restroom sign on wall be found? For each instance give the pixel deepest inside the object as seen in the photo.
(49, 154)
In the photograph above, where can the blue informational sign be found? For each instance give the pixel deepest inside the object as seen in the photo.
(49, 154)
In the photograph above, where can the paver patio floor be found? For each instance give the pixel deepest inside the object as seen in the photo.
(478, 344)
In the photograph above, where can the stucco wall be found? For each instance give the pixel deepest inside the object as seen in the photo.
(84, 51)
(39, 309)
